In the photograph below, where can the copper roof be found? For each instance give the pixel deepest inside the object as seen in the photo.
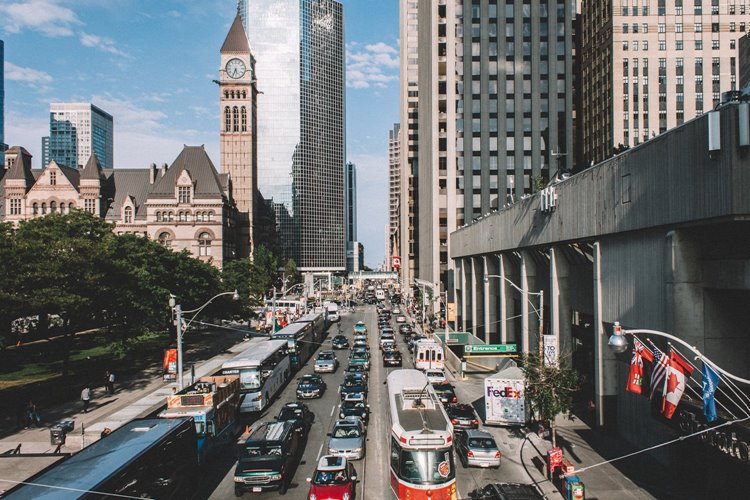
(236, 40)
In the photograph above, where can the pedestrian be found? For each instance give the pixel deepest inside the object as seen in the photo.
(106, 432)
(110, 382)
(32, 417)
(86, 398)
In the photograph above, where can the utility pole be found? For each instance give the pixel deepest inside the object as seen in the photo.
(178, 325)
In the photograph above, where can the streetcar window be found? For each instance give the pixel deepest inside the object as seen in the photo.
(395, 455)
(427, 466)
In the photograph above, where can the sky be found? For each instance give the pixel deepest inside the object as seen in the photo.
(150, 65)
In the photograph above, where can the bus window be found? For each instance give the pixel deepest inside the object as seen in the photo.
(421, 355)
(439, 355)
(433, 354)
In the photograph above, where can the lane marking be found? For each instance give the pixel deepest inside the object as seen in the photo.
(320, 450)
(332, 410)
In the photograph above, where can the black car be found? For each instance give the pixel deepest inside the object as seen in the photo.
(297, 412)
(355, 408)
(310, 387)
(353, 383)
(340, 342)
(268, 457)
(462, 416)
(507, 491)
(404, 329)
(445, 393)
(391, 358)
(357, 369)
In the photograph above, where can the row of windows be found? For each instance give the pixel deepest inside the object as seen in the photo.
(184, 216)
(204, 242)
(239, 94)
(679, 27)
(678, 44)
(235, 119)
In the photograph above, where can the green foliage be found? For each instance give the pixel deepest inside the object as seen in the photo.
(291, 273)
(237, 275)
(549, 388)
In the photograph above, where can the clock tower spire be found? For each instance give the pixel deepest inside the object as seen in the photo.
(238, 121)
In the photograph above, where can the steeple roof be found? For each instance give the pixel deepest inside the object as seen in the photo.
(21, 169)
(236, 40)
(93, 169)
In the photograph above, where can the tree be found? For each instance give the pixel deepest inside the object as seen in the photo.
(291, 274)
(265, 271)
(549, 389)
(10, 305)
(237, 275)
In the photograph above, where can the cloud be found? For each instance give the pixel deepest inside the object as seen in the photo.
(129, 115)
(27, 76)
(102, 43)
(44, 16)
(21, 129)
(371, 65)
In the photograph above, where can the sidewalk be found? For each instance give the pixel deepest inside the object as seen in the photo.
(134, 398)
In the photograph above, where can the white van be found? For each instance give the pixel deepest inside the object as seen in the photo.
(428, 355)
(333, 311)
(380, 294)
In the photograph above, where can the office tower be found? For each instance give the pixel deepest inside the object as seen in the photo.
(238, 124)
(3, 146)
(299, 48)
(394, 196)
(76, 130)
(650, 66)
(242, 11)
(350, 202)
(409, 222)
(495, 102)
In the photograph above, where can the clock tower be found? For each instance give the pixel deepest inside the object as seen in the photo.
(238, 111)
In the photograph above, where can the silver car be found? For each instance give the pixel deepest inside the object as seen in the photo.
(326, 362)
(347, 439)
(477, 449)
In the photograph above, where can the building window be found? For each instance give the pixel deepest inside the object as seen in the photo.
(44, 208)
(662, 28)
(678, 44)
(235, 119)
(732, 26)
(204, 244)
(70, 207)
(89, 205)
(243, 119)
(625, 28)
(624, 45)
(678, 27)
(715, 44)
(53, 207)
(645, 44)
(15, 206)
(645, 27)
(183, 194)
(165, 239)
(35, 209)
(227, 120)
(699, 45)
(128, 215)
(158, 216)
(662, 45)
(698, 27)
(53, 178)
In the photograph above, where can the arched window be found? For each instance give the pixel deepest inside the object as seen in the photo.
(232, 94)
(44, 208)
(62, 208)
(244, 94)
(243, 114)
(210, 216)
(235, 119)
(226, 94)
(165, 239)
(158, 216)
(170, 216)
(182, 216)
(53, 207)
(35, 208)
(227, 120)
(128, 215)
(204, 244)
(70, 206)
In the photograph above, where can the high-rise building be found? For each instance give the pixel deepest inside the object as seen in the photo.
(495, 101)
(350, 202)
(409, 90)
(299, 47)
(237, 107)
(3, 146)
(394, 196)
(650, 66)
(76, 130)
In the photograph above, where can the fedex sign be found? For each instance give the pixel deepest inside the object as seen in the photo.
(505, 392)
(504, 401)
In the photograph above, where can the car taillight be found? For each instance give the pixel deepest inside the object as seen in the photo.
(497, 454)
(454, 421)
(454, 399)
(470, 453)
(475, 422)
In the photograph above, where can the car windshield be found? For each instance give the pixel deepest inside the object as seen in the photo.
(250, 379)
(270, 452)
(290, 414)
(435, 374)
(426, 466)
(443, 388)
(462, 411)
(483, 443)
(325, 356)
(328, 477)
(352, 383)
(347, 431)
(350, 405)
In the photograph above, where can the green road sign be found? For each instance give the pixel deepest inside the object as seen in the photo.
(454, 338)
(490, 348)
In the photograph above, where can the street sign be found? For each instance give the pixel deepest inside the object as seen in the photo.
(454, 338)
(490, 349)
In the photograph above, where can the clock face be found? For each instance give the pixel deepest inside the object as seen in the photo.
(235, 68)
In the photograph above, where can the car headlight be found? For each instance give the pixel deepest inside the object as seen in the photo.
(357, 450)
(312, 497)
(276, 477)
(238, 479)
(332, 451)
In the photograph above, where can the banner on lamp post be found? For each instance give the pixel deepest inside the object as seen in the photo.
(550, 350)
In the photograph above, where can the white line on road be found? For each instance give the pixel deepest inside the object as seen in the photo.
(320, 450)
(332, 410)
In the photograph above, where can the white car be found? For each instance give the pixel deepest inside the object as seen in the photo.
(435, 376)
(396, 310)
(400, 319)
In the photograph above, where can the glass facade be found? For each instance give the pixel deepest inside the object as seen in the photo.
(3, 147)
(299, 49)
(77, 130)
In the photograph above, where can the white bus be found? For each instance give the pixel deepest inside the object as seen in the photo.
(421, 440)
(429, 355)
(263, 369)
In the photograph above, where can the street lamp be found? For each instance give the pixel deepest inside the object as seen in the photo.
(619, 344)
(178, 312)
(525, 293)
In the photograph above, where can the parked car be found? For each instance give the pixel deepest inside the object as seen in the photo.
(326, 362)
(353, 383)
(355, 405)
(445, 393)
(310, 387)
(404, 329)
(268, 456)
(462, 416)
(392, 358)
(507, 491)
(297, 412)
(400, 319)
(347, 439)
(435, 376)
(340, 342)
(335, 477)
(477, 448)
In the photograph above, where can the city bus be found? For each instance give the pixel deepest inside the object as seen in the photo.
(301, 342)
(319, 324)
(264, 369)
(421, 440)
(150, 458)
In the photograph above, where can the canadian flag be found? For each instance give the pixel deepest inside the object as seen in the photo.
(674, 383)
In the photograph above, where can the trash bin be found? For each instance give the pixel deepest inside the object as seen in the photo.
(56, 435)
(573, 488)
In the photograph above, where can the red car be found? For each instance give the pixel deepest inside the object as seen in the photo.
(335, 478)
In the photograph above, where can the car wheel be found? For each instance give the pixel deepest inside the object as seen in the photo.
(283, 487)
(464, 461)
(238, 491)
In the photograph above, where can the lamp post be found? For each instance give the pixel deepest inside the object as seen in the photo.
(178, 312)
(618, 343)
(525, 293)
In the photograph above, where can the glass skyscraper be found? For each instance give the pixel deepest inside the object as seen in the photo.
(75, 131)
(299, 51)
(3, 146)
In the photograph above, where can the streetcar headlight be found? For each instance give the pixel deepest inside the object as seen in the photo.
(312, 497)
(345, 496)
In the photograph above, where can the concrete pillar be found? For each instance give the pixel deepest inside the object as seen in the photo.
(529, 305)
(605, 364)
(684, 294)
(560, 310)
(502, 289)
(475, 315)
(490, 303)
(457, 298)
(465, 269)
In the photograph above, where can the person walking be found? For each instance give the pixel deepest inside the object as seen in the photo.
(32, 417)
(110, 382)
(86, 398)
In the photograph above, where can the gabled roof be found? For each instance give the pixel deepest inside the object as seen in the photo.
(93, 169)
(236, 40)
(124, 182)
(73, 175)
(21, 169)
(201, 169)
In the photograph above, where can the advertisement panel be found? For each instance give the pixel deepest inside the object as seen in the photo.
(504, 400)
(170, 365)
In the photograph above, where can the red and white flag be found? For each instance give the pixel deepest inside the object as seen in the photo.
(635, 377)
(674, 383)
